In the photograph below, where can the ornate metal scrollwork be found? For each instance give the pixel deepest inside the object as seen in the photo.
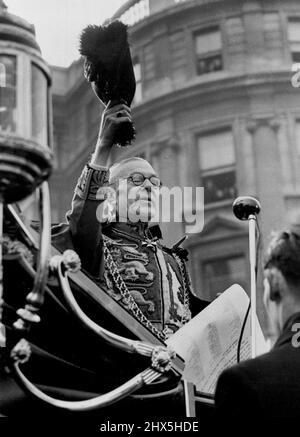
(35, 298)
(21, 352)
(61, 265)
(161, 357)
(69, 261)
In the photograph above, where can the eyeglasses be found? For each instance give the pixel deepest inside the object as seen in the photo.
(138, 179)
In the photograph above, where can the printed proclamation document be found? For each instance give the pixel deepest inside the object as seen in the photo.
(208, 343)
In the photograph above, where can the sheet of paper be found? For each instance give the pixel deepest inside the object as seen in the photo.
(208, 343)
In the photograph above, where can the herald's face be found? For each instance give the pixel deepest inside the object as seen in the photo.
(137, 202)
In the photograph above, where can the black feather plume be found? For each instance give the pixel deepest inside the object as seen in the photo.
(103, 44)
(108, 66)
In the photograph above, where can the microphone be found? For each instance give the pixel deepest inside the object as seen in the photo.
(245, 206)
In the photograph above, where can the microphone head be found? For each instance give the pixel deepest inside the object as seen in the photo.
(245, 206)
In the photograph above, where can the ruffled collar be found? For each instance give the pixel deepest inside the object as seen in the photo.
(140, 229)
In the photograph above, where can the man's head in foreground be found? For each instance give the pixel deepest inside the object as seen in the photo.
(135, 190)
(282, 278)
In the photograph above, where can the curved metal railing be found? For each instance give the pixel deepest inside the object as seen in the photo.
(161, 357)
(69, 261)
(21, 353)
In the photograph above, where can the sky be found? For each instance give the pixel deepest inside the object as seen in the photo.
(58, 23)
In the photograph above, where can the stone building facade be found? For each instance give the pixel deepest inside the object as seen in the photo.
(215, 107)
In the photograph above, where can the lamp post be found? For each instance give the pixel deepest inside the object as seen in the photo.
(25, 114)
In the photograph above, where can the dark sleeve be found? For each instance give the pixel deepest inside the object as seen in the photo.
(235, 394)
(197, 304)
(83, 220)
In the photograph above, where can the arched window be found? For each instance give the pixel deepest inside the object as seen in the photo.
(8, 116)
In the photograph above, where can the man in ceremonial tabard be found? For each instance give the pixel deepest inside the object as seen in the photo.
(126, 257)
(128, 261)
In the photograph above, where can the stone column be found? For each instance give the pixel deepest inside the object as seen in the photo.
(245, 169)
(167, 152)
(269, 182)
(269, 186)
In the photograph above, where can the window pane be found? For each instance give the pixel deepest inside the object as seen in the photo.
(222, 273)
(2, 75)
(208, 42)
(8, 101)
(298, 136)
(216, 150)
(209, 64)
(39, 105)
(295, 50)
(138, 79)
(137, 71)
(218, 187)
(294, 31)
(296, 57)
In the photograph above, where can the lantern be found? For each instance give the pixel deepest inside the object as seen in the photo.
(25, 115)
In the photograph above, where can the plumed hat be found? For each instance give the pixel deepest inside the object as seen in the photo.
(108, 66)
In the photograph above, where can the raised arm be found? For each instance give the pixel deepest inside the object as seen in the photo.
(83, 227)
(111, 119)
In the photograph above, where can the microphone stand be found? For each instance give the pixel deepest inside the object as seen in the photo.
(252, 258)
(247, 208)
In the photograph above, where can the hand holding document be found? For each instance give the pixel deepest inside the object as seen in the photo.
(208, 343)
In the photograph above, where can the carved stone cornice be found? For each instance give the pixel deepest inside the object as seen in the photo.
(173, 143)
(168, 143)
(256, 122)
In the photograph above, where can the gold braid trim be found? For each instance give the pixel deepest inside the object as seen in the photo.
(126, 295)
